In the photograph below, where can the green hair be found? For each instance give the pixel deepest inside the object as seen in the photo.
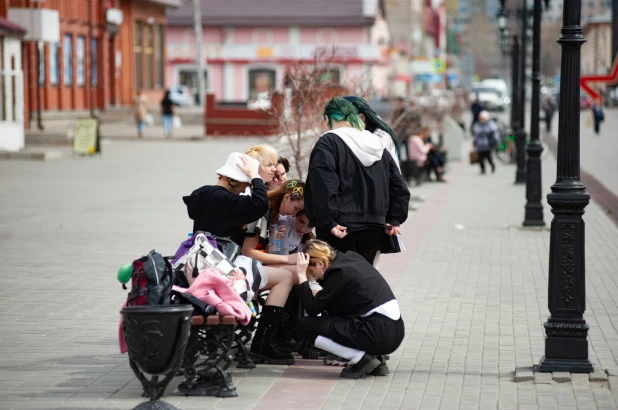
(372, 120)
(340, 109)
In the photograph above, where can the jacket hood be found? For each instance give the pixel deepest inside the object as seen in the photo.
(365, 146)
(191, 202)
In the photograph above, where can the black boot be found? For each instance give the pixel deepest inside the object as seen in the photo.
(263, 347)
(359, 370)
(382, 369)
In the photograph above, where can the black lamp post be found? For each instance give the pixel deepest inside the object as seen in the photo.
(520, 132)
(534, 208)
(566, 344)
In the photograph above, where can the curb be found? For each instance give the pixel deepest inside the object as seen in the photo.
(31, 156)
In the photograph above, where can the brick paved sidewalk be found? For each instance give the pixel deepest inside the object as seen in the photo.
(473, 299)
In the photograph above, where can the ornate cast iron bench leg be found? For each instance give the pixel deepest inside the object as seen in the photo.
(212, 338)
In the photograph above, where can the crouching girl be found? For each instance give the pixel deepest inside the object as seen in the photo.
(363, 321)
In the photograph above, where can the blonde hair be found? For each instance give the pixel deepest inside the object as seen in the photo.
(319, 251)
(263, 153)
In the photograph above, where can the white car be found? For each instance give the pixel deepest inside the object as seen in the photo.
(262, 102)
(181, 95)
(492, 99)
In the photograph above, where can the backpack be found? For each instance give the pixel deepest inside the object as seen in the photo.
(203, 255)
(151, 281)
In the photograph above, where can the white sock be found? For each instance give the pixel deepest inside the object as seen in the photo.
(353, 355)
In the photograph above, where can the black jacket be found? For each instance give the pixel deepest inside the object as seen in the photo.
(341, 190)
(351, 288)
(216, 210)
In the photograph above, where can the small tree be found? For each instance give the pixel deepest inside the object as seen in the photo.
(298, 111)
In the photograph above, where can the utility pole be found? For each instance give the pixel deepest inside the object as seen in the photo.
(199, 56)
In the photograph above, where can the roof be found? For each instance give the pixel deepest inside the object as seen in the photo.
(8, 28)
(323, 13)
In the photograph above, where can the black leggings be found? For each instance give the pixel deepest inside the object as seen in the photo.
(375, 334)
(366, 242)
(486, 155)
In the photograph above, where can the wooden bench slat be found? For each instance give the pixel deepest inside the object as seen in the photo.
(197, 320)
(213, 320)
(229, 320)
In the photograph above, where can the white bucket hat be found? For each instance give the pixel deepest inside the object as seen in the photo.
(231, 169)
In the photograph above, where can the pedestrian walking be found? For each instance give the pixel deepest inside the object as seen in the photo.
(354, 189)
(364, 320)
(167, 112)
(486, 137)
(598, 116)
(140, 112)
(477, 107)
(548, 108)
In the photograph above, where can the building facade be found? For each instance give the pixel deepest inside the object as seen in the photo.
(597, 52)
(11, 83)
(107, 49)
(247, 56)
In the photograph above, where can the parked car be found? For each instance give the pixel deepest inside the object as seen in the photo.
(491, 98)
(585, 102)
(262, 102)
(181, 95)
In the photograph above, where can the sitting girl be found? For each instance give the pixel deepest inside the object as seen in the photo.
(363, 319)
(296, 230)
(221, 210)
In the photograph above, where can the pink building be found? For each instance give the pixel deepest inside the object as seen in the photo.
(249, 43)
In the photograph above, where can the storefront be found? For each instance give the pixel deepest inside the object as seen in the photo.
(11, 87)
(107, 50)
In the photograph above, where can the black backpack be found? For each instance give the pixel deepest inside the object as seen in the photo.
(151, 281)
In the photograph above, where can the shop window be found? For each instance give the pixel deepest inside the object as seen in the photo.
(188, 78)
(41, 47)
(54, 63)
(160, 57)
(261, 80)
(149, 54)
(330, 76)
(80, 53)
(138, 55)
(93, 63)
(68, 59)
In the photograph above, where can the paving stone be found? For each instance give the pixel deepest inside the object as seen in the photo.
(542, 378)
(598, 375)
(561, 377)
(580, 379)
(524, 375)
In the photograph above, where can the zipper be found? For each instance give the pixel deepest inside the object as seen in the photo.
(155, 268)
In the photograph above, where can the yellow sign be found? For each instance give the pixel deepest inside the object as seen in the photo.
(439, 65)
(85, 137)
(264, 52)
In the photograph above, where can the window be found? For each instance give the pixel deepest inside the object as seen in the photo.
(137, 51)
(80, 51)
(41, 63)
(53, 63)
(68, 59)
(330, 76)
(160, 55)
(93, 62)
(149, 53)
(260, 81)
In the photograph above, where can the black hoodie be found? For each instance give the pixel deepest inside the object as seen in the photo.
(216, 210)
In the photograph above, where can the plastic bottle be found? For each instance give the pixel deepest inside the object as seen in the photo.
(275, 240)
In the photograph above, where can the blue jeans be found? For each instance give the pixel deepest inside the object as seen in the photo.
(140, 126)
(168, 124)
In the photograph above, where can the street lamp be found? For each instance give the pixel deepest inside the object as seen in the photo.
(520, 132)
(534, 208)
(566, 344)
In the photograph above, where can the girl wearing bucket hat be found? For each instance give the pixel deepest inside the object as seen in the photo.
(222, 211)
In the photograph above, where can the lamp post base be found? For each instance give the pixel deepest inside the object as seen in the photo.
(564, 365)
(534, 215)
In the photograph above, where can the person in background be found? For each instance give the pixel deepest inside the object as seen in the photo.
(476, 108)
(364, 320)
(167, 111)
(425, 153)
(354, 190)
(597, 115)
(281, 173)
(140, 111)
(486, 137)
(548, 110)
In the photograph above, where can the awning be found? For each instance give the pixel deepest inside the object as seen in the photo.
(8, 28)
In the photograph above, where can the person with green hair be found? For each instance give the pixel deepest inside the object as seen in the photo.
(376, 125)
(354, 191)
